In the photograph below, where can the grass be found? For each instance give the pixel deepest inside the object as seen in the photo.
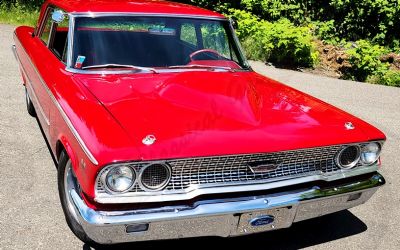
(18, 16)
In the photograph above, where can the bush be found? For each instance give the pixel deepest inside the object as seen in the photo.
(280, 42)
(390, 78)
(326, 31)
(364, 58)
(18, 16)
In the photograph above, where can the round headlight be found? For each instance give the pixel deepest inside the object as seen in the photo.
(348, 157)
(120, 179)
(370, 153)
(155, 177)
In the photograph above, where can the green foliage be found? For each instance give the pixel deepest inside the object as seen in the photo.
(280, 42)
(364, 58)
(274, 10)
(326, 31)
(18, 16)
(391, 78)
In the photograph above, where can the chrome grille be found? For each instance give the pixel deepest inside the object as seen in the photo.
(234, 169)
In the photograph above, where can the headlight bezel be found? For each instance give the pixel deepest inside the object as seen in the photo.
(108, 169)
(378, 154)
(354, 163)
(359, 161)
(159, 187)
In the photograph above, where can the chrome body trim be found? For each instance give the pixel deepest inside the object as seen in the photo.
(198, 190)
(223, 217)
(63, 114)
(352, 164)
(31, 88)
(14, 50)
(72, 16)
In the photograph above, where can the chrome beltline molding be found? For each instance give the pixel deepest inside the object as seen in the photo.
(197, 190)
(63, 114)
(30, 86)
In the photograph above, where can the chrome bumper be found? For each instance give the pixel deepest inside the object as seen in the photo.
(228, 217)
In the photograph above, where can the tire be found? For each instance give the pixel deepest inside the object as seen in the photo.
(65, 173)
(29, 104)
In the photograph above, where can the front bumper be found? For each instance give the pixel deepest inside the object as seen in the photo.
(224, 217)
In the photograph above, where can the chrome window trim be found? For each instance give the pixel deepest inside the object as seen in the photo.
(72, 16)
(62, 112)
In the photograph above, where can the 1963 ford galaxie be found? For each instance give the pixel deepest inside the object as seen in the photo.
(162, 130)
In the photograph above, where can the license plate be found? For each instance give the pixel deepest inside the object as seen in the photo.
(266, 220)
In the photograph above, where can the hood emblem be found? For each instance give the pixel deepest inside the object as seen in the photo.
(349, 126)
(262, 167)
(149, 140)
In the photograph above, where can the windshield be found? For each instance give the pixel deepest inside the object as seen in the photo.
(134, 42)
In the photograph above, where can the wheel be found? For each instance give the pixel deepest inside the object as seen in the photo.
(66, 182)
(29, 104)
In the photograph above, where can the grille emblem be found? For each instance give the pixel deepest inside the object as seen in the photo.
(263, 167)
(262, 221)
(149, 140)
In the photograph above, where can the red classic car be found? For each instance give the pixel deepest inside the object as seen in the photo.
(162, 130)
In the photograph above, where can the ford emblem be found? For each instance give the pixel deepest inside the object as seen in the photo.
(262, 221)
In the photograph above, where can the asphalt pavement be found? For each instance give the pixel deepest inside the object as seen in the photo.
(31, 216)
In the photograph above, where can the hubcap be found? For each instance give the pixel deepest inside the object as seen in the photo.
(70, 184)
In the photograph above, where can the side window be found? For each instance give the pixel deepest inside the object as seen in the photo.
(188, 34)
(45, 35)
(55, 35)
(59, 45)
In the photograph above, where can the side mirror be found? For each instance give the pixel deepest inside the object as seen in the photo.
(234, 23)
(58, 16)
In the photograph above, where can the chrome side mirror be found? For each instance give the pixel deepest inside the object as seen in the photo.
(58, 16)
(234, 23)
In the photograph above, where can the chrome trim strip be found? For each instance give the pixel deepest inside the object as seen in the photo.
(197, 190)
(97, 14)
(132, 71)
(71, 26)
(109, 226)
(71, 69)
(63, 114)
(31, 88)
(14, 50)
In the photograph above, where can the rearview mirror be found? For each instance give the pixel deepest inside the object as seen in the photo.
(58, 16)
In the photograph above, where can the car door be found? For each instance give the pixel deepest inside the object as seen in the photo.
(50, 45)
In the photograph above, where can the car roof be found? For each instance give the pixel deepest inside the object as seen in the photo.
(132, 6)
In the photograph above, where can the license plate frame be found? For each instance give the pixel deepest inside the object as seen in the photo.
(283, 217)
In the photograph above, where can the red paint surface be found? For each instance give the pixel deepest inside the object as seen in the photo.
(191, 113)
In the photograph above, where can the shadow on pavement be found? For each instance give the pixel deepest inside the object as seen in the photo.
(300, 235)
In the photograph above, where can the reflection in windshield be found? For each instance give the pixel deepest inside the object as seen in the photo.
(155, 42)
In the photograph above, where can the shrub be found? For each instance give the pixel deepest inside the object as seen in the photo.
(364, 58)
(390, 78)
(326, 31)
(280, 42)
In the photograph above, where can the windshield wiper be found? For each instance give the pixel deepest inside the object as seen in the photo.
(191, 66)
(114, 65)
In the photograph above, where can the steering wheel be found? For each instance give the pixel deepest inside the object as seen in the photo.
(196, 53)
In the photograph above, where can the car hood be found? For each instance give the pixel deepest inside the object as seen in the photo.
(217, 113)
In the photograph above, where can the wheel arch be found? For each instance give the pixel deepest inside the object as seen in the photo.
(62, 144)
